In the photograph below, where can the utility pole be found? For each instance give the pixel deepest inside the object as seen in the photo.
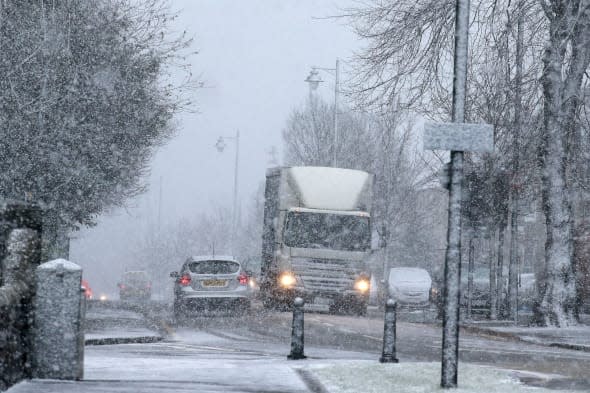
(515, 183)
(450, 344)
(457, 137)
(235, 203)
(314, 80)
(220, 146)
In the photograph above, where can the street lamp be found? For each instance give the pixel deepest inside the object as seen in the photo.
(220, 145)
(314, 80)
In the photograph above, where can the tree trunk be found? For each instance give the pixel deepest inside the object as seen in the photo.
(582, 263)
(512, 295)
(491, 239)
(558, 300)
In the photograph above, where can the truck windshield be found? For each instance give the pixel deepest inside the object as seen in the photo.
(330, 231)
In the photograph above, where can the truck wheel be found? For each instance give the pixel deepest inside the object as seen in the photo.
(268, 303)
(361, 310)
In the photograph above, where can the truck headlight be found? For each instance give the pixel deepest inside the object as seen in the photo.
(287, 280)
(362, 285)
(433, 293)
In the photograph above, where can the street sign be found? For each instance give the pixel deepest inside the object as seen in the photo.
(459, 137)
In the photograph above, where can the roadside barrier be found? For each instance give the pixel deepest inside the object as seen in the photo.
(388, 355)
(297, 331)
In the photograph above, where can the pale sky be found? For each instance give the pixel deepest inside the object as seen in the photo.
(254, 55)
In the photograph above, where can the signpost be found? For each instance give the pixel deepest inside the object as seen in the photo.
(457, 137)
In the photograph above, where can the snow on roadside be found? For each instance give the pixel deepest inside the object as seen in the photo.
(369, 377)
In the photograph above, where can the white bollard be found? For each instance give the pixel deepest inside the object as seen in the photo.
(58, 342)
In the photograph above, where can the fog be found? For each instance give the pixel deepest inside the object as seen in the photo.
(253, 59)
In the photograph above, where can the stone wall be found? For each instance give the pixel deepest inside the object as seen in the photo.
(20, 248)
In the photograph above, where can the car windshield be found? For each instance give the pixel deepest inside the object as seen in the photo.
(214, 267)
(135, 277)
(330, 231)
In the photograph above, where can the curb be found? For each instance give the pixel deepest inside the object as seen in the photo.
(123, 340)
(576, 347)
(311, 381)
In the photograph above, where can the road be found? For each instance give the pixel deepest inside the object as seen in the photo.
(347, 337)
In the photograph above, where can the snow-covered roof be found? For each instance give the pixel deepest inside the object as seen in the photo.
(329, 188)
(326, 211)
(409, 274)
(198, 258)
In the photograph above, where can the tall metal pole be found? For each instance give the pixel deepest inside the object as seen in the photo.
(450, 341)
(234, 219)
(514, 189)
(336, 92)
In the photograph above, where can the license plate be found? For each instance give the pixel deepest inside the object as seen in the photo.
(322, 300)
(214, 283)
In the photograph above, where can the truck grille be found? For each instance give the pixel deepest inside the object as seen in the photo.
(326, 275)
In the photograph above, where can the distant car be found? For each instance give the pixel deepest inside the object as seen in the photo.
(206, 283)
(480, 296)
(527, 292)
(410, 286)
(87, 290)
(135, 285)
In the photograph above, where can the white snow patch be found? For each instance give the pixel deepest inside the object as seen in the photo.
(370, 377)
(55, 264)
(329, 188)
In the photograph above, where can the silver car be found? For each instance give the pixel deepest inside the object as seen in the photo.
(207, 283)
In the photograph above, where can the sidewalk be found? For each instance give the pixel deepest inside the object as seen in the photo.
(193, 360)
(575, 337)
(187, 361)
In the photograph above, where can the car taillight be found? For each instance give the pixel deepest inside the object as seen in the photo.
(185, 280)
(243, 279)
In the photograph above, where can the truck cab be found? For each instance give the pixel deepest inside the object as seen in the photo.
(316, 239)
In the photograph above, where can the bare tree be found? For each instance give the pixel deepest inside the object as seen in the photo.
(85, 97)
(382, 145)
(565, 62)
(409, 46)
(309, 137)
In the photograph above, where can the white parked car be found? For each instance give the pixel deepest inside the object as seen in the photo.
(410, 285)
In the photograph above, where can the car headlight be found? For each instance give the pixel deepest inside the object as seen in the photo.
(362, 285)
(287, 280)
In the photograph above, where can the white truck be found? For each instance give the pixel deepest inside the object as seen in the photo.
(317, 238)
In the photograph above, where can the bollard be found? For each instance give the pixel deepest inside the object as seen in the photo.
(388, 355)
(297, 331)
(58, 345)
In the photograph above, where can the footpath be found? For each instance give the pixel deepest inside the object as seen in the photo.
(125, 354)
(574, 337)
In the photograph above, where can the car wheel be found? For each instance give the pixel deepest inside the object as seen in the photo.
(267, 303)
(361, 309)
(242, 308)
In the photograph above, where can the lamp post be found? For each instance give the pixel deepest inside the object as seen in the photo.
(220, 146)
(314, 80)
